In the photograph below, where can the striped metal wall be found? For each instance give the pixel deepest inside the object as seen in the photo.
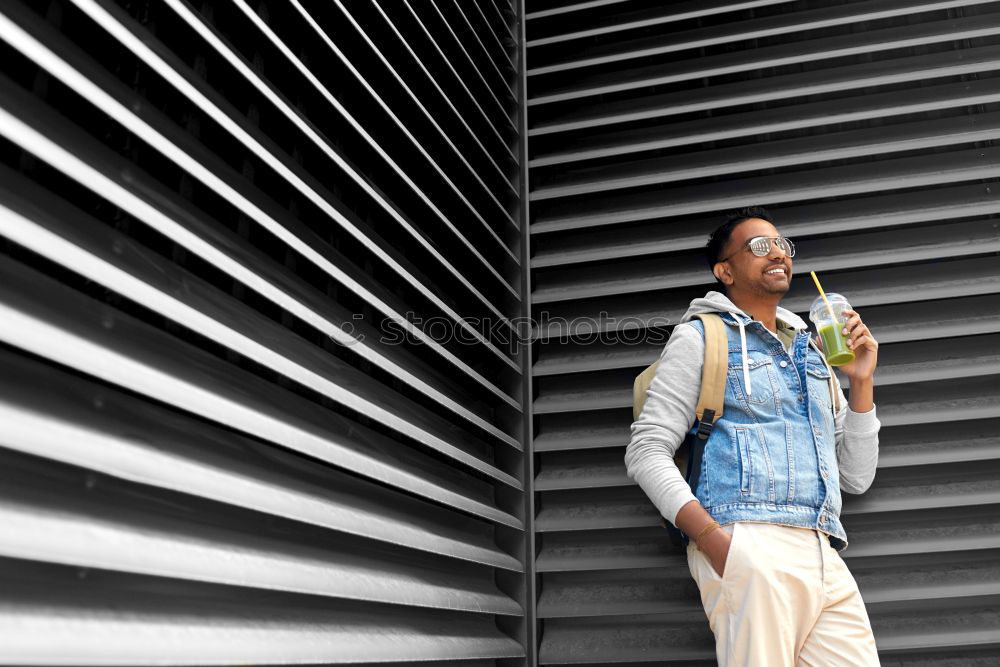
(870, 130)
(259, 265)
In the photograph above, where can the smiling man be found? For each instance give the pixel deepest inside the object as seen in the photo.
(764, 516)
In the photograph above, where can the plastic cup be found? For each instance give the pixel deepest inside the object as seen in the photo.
(834, 342)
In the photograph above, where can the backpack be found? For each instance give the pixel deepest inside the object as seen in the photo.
(710, 405)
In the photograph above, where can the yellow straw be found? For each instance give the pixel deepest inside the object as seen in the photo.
(829, 308)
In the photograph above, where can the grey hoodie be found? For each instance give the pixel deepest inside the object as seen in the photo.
(669, 412)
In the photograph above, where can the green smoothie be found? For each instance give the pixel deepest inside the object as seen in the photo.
(835, 344)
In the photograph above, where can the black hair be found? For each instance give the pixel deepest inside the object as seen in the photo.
(720, 237)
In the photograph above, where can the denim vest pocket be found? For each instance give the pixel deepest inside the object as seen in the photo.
(818, 379)
(746, 460)
(761, 379)
(756, 470)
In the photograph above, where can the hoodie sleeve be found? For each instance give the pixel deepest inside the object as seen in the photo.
(856, 435)
(666, 417)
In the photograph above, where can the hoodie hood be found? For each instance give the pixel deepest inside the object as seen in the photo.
(717, 302)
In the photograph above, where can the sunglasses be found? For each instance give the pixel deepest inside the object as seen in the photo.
(761, 246)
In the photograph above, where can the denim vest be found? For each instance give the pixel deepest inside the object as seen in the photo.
(772, 456)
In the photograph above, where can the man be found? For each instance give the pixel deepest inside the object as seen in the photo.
(764, 520)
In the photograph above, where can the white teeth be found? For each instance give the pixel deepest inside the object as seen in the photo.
(776, 271)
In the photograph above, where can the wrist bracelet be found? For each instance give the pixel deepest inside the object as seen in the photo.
(706, 530)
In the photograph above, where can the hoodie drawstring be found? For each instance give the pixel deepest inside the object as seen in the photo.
(743, 350)
(717, 302)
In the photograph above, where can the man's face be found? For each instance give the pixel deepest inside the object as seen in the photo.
(744, 271)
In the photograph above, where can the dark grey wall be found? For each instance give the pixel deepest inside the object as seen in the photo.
(217, 220)
(869, 129)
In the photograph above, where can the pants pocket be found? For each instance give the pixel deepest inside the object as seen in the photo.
(734, 542)
(711, 586)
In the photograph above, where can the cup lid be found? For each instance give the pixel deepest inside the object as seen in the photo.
(818, 309)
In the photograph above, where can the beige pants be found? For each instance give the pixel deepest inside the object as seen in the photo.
(785, 598)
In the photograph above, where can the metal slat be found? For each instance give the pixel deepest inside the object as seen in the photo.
(415, 98)
(579, 431)
(311, 307)
(972, 485)
(782, 24)
(605, 392)
(279, 224)
(628, 507)
(960, 576)
(151, 52)
(941, 359)
(495, 205)
(580, 470)
(91, 252)
(242, 133)
(590, 430)
(455, 115)
(669, 593)
(779, 56)
(926, 532)
(498, 55)
(97, 428)
(951, 279)
(37, 235)
(678, 12)
(881, 141)
(28, 236)
(499, 141)
(498, 114)
(899, 447)
(121, 186)
(841, 119)
(921, 206)
(934, 444)
(807, 115)
(937, 242)
(838, 181)
(107, 619)
(940, 401)
(504, 89)
(206, 458)
(45, 521)
(509, 5)
(210, 35)
(75, 331)
(580, 6)
(644, 639)
(627, 640)
(895, 535)
(498, 24)
(780, 87)
(967, 316)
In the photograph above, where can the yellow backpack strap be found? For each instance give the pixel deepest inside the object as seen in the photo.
(712, 396)
(713, 372)
(710, 401)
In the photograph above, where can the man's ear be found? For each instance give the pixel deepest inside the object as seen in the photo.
(721, 271)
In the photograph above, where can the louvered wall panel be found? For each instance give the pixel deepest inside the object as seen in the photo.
(869, 129)
(250, 413)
